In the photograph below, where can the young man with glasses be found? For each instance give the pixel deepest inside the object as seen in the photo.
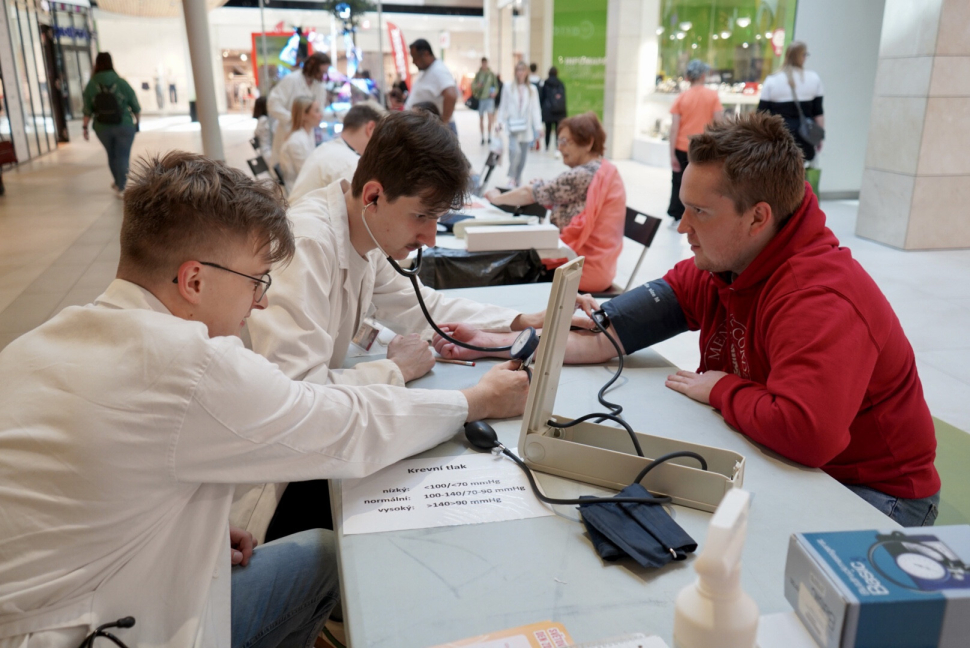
(125, 424)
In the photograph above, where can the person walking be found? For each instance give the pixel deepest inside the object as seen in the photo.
(793, 82)
(484, 89)
(693, 109)
(552, 98)
(521, 117)
(111, 102)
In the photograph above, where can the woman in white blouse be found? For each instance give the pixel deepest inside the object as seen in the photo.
(301, 141)
(521, 116)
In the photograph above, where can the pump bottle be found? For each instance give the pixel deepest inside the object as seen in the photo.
(714, 611)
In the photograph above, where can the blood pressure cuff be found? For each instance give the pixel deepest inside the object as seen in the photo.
(646, 315)
(645, 532)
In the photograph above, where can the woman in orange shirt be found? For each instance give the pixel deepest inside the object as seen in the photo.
(694, 109)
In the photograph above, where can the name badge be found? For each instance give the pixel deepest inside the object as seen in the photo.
(365, 336)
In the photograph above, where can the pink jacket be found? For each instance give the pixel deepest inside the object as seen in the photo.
(597, 232)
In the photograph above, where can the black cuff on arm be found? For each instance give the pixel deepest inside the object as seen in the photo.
(646, 315)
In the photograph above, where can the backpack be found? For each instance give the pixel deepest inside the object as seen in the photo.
(556, 100)
(107, 110)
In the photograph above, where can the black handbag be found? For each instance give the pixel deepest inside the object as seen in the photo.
(472, 103)
(808, 128)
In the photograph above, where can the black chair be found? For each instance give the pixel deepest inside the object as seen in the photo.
(486, 173)
(257, 165)
(642, 229)
(279, 174)
(254, 142)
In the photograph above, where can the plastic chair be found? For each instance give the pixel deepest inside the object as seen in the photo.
(641, 228)
(257, 165)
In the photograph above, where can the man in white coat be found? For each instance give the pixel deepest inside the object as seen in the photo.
(411, 172)
(124, 425)
(338, 158)
(308, 82)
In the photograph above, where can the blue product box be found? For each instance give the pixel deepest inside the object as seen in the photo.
(908, 588)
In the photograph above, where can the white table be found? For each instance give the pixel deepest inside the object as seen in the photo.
(428, 586)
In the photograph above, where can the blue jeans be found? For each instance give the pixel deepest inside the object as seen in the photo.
(117, 142)
(518, 149)
(907, 512)
(286, 592)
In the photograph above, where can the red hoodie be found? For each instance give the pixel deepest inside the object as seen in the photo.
(821, 371)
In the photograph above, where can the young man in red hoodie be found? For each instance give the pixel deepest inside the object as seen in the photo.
(800, 351)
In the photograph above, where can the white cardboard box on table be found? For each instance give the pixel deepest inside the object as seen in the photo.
(512, 237)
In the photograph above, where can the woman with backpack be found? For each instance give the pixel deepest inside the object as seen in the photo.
(552, 97)
(111, 102)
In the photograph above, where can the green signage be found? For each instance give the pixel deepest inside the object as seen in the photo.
(579, 52)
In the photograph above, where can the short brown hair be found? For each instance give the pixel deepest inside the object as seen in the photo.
(760, 160)
(362, 114)
(414, 154)
(313, 63)
(586, 128)
(184, 206)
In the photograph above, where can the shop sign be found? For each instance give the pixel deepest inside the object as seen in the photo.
(399, 51)
(78, 33)
(579, 52)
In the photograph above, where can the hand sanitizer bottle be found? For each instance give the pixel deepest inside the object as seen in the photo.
(714, 611)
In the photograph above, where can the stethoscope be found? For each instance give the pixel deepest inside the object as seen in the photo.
(522, 349)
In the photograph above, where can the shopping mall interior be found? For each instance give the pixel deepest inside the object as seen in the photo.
(890, 180)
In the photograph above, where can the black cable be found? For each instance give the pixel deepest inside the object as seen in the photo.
(611, 417)
(658, 499)
(427, 316)
(613, 407)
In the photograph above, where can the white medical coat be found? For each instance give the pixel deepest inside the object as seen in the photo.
(317, 303)
(294, 154)
(280, 104)
(331, 161)
(319, 299)
(122, 432)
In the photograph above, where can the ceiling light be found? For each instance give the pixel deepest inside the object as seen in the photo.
(243, 57)
(681, 35)
(744, 22)
(660, 30)
(744, 45)
(725, 34)
(715, 36)
(769, 34)
(686, 25)
(693, 46)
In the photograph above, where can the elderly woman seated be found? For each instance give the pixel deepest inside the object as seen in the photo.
(588, 201)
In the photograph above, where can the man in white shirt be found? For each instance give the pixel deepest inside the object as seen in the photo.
(125, 424)
(337, 159)
(308, 82)
(435, 83)
(411, 172)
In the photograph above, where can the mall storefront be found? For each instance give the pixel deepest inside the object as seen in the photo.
(45, 54)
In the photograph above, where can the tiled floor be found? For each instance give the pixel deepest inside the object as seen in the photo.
(59, 246)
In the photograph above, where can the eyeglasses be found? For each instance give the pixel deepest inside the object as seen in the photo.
(563, 140)
(263, 282)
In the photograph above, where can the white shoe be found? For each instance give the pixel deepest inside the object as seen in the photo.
(119, 194)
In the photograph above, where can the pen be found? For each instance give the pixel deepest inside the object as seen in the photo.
(466, 363)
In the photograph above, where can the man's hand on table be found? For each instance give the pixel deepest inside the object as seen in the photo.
(501, 393)
(412, 355)
(242, 544)
(694, 385)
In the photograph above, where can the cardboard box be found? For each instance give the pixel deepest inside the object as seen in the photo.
(907, 588)
(511, 237)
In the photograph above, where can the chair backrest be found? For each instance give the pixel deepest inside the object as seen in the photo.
(279, 173)
(254, 142)
(640, 227)
(257, 165)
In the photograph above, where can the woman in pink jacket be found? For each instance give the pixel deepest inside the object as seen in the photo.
(588, 202)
